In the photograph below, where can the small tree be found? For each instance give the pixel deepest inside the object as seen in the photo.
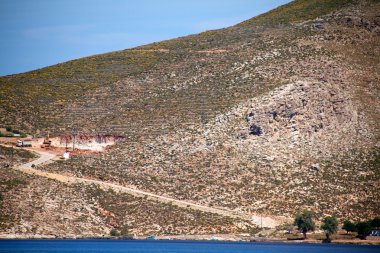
(363, 228)
(304, 222)
(330, 226)
(114, 232)
(349, 226)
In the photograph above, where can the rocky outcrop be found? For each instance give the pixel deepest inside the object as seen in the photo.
(313, 118)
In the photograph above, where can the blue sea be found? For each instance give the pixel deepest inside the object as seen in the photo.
(118, 246)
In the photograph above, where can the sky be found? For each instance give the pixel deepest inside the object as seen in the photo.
(39, 33)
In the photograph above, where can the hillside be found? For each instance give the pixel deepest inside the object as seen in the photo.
(150, 77)
(271, 116)
(36, 207)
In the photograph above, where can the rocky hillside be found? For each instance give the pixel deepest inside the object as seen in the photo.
(274, 115)
(32, 206)
(155, 88)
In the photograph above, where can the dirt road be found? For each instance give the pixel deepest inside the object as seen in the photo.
(47, 157)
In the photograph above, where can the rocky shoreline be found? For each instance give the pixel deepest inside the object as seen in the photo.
(209, 237)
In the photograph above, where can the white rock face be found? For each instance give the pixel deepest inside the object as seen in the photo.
(316, 118)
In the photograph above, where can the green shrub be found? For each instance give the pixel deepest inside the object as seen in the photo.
(304, 222)
(375, 223)
(115, 232)
(363, 228)
(349, 226)
(330, 226)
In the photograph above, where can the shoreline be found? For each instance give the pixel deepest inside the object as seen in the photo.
(211, 238)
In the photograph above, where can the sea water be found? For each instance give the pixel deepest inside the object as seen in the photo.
(118, 246)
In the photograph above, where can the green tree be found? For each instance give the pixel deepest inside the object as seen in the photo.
(114, 232)
(375, 223)
(330, 226)
(304, 222)
(349, 226)
(363, 228)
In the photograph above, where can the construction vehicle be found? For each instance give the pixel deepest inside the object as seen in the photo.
(47, 142)
(24, 143)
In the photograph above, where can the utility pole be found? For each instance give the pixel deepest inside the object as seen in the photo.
(12, 152)
(66, 137)
(74, 132)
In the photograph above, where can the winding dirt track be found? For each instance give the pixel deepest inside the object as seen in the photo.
(47, 157)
